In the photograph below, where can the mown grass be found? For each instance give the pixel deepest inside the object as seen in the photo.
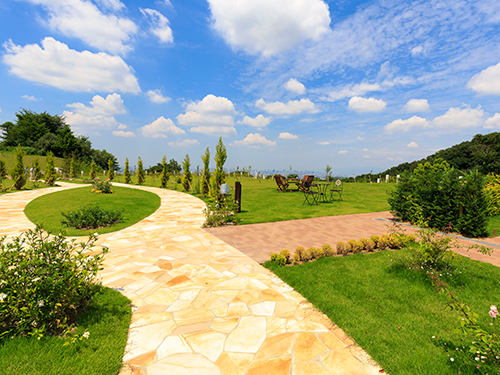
(135, 204)
(393, 312)
(107, 319)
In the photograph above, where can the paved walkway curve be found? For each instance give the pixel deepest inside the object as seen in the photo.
(202, 307)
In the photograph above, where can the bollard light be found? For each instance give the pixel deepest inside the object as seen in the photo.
(224, 189)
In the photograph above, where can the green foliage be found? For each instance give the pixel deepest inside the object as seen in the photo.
(328, 251)
(91, 217)
(299, 253)
(286, 254)
(72, 173)
(18, 173)
(3, 170)
(92, 170)
(50, 171)
(205, 178)
(45, 282)
(328, 171)
(102, 187)
(341, 248)
(186, 176)
(164, 173)
(220, 212)
(37, 173)
(126, 172)
(111, 171)
(492, 189)
(219, 176)
(140, 172)
(102, 158)
(436, 197)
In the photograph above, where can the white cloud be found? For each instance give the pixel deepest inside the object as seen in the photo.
(254, 140)
(365, 149)
(159, 128)
(487, 81)
(112, 105)
(342, 152)
(124, 134)
(184, 143)
(366, 156)
(402, 126)
(360, 138)
(353, 90)
(83, 20)
(258, 122)
(159, 25)
(122, 126)
(212, 115)
(412, 145)
(293, 107)
(493, 122)
(295, 86)
(417, 50)
(30, 98)
(54, 64)
(287, 135)
(115, 5)
(460, 118)
(324, 143)
(359, 104)
(417, 105)
(81, 124)
(155, 96)
(269, 27)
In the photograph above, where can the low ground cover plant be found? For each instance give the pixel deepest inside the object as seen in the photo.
(45, 282)
(91, 217)
(221, 211)
(101, 187)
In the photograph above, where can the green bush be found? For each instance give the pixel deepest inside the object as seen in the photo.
(45, 281)
(101, 187)
(220, 212)
(91, 217)
(328, 251)
(341, 248)
(286, 254)
(375, 240)
(299, 251)
(492, 189)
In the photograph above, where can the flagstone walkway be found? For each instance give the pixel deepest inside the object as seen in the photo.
(200, 306)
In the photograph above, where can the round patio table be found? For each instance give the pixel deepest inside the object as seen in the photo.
(322, 190)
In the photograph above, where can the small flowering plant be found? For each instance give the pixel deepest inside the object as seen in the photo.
(102, 187)
(45, 281)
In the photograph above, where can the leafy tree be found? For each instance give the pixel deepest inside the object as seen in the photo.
(328, 171)
(37, 173)
(126, 172)
(173, 167)
(219, 176)
(50, 171)
(101, 158)
(111, 171)
(205, 178)
(140, 172)
(18, 172)
(164, 173)
(92, 170)
(186, 177)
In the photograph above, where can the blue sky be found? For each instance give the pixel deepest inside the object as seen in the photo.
(304, 83)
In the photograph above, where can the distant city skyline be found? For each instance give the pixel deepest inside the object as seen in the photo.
(358, 85)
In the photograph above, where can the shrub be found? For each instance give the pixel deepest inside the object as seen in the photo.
(141, 177)
(492, 189)
(18, 172)
(328, 251)
(101, 187)
(375, 240)
(50, 171)
(370, 245)
(307, 255)
(111, 171)
(274, 256)
(286, 254)
(296, 258)
(126, 172)
(341, 248)
(280, 260)
(45, 281)
(220, 212)
(91, 217)
(299, 251)
(92, 170)
(384, 242)
(364, 243)
(164, 173)
(317, 253)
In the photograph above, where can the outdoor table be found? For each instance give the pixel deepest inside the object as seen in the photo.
(322, 190)
(295, 181)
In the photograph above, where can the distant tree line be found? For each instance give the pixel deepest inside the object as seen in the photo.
(481, 153)
(41, 133)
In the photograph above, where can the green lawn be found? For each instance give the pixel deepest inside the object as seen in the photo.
(107, 319)
(392, 312)
(46, 210)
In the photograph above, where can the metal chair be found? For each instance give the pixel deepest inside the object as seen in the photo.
(338, 188)
(308, 193)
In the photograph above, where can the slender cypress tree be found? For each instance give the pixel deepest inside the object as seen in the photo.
(92, 170)
(18, 172)
(111, 171)
(186, 176)
(50, 171)
(126, 173)
(164, 173)
(205, 178)
(140, 172)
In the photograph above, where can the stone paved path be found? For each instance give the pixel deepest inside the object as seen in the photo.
(202, 307)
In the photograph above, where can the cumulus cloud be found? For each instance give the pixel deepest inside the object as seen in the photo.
(353, 90)
(341, 152)
(159, 128)
(360, 138)
(293, 107)
(213, 115)
(124, 134)
(417, 105)
(402, 126)
(269, 27)
(417, 50)
(493, 122)
(258, 122)
(460, 118)
(487, 81)
(112, 105)
(254, 140)
(54, 64)
(366, 156)
(155, 96)
(359, 104)
(295, 86)
(324, 143)
(83, 20)
(159, 25)
(30, 98)
(184, 143)
(286, 135)
(81, 124)
(412, 145)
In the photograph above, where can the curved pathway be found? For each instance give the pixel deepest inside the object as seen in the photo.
(202, 307)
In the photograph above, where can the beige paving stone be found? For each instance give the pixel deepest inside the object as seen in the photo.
(276, 346)
(275, 326)
(248, 336)
(234, 363)
(342, 362)
(237, 283)
(147, 338)
(272, 295)
(330, 340)
(161, 297)
(250, 297)
(309, 368)
(307, 347)
(237, 309)
(263, 308)
(149, 318)
(182, 330)
(192, 316)
(143, 360)
(208, 343)
(224, 325)
(184, 364)
(303, 325)
(275, 366)
(172, 345)
(131, 370)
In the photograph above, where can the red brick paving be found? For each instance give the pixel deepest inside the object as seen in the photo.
(259, 241)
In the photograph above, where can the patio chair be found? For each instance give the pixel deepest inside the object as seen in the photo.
(310, 196)
(338, 188)
(307, 178)
(282, 184)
